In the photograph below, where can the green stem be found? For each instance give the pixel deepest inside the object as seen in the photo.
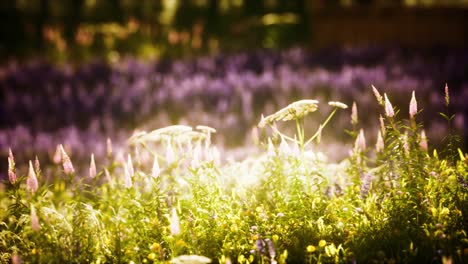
(323, 126)
(281, 134)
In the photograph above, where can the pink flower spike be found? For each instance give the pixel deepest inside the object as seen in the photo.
(109, 147)
(423, 141)
(447, 96)
(382, 125)
(35, 226)
(127, 178)
(130, 168)
(31, 182)
(413, 107)
(11, 168)
(92, 167)
(156, 169)
(66, 162)
(58, 155)
(379, 146)
(354, 114)
(377, 95)
(174, 223)
(360, 143)
(37, 165)
(388, 107)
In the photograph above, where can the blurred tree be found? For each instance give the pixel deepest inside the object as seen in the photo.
(72, 19)
(12, 34)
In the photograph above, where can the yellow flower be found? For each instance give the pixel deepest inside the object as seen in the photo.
(155, 247)
(275, 238)
(180, 243)
(310, 248)
(151, 256)
(322, 243)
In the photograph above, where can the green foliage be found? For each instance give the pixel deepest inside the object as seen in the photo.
(179, 202)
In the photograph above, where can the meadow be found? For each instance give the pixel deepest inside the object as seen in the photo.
(151, 179)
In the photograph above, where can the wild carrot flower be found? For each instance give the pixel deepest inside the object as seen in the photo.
(31, 182)
(413, 107)
(354, 114)
(379, 146)
(34, 219)
(388, 107)
(360, 143)
(377, 95)
(92, 167)
(338, 104)
(423, 141)
(11, 168)
(174, 223)
(155, 171)
(66, 162)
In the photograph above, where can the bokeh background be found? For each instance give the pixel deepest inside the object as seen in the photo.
(81, 71)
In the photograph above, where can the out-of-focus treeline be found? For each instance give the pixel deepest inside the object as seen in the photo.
(85, 29)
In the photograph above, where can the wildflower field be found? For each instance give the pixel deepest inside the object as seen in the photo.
(175, 194)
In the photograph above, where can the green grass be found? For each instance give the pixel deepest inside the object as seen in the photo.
(176, 197)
